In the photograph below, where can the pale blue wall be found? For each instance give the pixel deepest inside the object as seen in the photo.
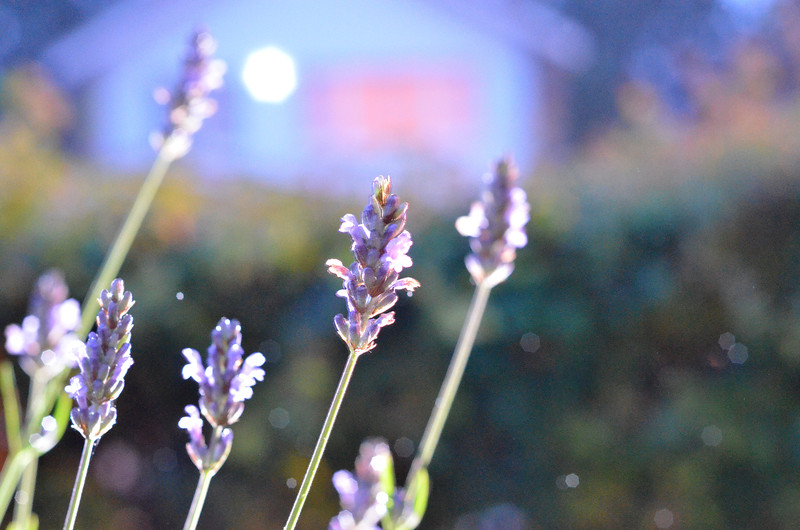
(138, 45)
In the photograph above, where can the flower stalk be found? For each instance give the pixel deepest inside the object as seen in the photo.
(380, 247)
(322, 440)
(80, 480)
(225, 381)
(103, 365)
(495, 226)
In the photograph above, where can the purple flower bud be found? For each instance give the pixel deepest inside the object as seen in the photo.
(225, 383)
(380, 247)
(103, 364)
(496, 226)
(200, 454)
(228, 377)
(190, 103)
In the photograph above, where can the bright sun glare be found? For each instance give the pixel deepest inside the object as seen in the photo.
(269, 75)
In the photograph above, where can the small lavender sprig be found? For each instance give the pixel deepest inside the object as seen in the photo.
(226, 381)
(495, 226)
(190, 104)
(370, 495)
(380, 246)
(46, 345)
(103, 365)
(45, 342)
(366, 495)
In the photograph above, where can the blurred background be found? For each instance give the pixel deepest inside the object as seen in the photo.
(640, 368)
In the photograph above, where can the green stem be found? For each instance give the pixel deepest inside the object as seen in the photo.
(24, 497)
(199, 499)
(452, 379)
(11, 406)
(80, 480)
(12, 471)
(33, 417)
(122, 244)
(322, 441)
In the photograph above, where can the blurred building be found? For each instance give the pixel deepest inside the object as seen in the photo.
(348, 87)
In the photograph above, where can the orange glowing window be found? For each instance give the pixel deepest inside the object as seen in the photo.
(376, 110)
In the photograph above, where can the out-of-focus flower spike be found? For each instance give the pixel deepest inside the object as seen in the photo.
(190, 104)
(45, 342)
(496, 226)
(367, 495)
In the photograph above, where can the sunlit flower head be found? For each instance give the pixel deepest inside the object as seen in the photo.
(103, 364)
(380, 247)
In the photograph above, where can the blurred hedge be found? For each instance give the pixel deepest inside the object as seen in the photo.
(601, 355)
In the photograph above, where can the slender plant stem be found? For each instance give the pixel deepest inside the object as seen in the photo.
(322, 441)
(199, 499)
(80, 480)
(193, 517)
(12, 471)
(122, 244)
(24, 497)
(452, 379)
(11, 406)
(27, 485)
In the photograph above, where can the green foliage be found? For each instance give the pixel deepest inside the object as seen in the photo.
(599, 357)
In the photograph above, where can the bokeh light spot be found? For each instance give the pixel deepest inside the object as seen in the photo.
(269, 75)
(530, 342)
(49, 423)
(738, 353)
(118, 467)
(164, 459)
(404, 447)
(711, 435)
(279, 418)
(726, 340)
(271, 350)
(663, 518)
(291, 483)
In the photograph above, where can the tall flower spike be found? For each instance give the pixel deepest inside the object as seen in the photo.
(366, 494)
(45, 342)
(103, 364)
(190, 103)
(225, 383)
(496, 225)
(380, 246)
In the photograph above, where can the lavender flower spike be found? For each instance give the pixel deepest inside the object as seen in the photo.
(365, 496)
(225, 383)
(45, 342)
(103, 364)
(189, 103)
(380, 246)
(496, 226)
